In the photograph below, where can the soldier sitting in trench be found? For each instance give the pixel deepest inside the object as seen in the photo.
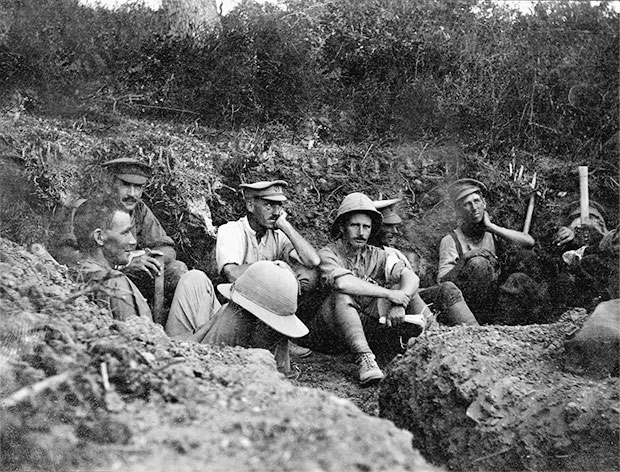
(446, 296)
(468, 256)
(154, 248)
(103, 231)
(362, 285)
(584, 255)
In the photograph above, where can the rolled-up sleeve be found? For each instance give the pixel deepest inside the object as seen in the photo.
(230, 245)
(394, 267)
(331, 267)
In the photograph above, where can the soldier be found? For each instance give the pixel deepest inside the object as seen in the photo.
(266, 234)
(362, 284)
(103, 230)
(468, 256)
(127, 178)
(446, 296)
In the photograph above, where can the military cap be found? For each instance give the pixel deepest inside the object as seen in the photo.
(574, 209)
(463, 187)
(386, 207)
(129, 170)
(266, 190)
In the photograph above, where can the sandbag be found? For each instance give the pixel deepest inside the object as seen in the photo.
(595, 348)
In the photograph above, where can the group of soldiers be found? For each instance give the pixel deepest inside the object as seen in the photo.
(359, 294)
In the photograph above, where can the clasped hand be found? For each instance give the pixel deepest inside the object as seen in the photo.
(145, 261)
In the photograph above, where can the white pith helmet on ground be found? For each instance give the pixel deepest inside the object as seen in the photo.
(268, 290)
(357, 203)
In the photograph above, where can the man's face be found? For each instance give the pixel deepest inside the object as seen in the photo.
(128, 194)
(265, 212)
(118, 240)
(389, 233)
(471, 208)
(356, 230)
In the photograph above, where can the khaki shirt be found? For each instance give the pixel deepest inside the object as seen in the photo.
(113, 289)
(372, 264)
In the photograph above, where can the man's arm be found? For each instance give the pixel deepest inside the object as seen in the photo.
(448, 268)
(307, 254)
(517, 237)
(232, 272)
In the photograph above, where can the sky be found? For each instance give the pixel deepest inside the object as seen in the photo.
(228, 5)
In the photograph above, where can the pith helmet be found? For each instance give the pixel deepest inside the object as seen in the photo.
(268, 290)
(129, 170)
(595, 209)
(388, 210)
(357, 203)
(463, 187)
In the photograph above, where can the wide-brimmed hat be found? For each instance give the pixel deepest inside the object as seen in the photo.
(388, 210)
(268, 290)
(272, 190)
(129, 170)
(463, 187)
(357, 203)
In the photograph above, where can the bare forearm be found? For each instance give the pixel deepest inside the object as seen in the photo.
(232, 272)
(307, 254)
(353, 285)
(517, 237)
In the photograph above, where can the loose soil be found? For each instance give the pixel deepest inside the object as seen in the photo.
(175, 406)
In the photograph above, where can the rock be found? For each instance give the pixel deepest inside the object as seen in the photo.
(594, 349)
(496, 398)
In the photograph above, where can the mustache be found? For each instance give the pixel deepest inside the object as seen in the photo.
(130, 200)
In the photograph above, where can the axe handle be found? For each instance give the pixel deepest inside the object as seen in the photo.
(158, 297)
(584, 203)
(528, 215)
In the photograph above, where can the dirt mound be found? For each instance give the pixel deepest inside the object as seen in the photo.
(497, 398)
(80, 391)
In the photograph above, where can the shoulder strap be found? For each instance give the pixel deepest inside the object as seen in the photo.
(457, 243)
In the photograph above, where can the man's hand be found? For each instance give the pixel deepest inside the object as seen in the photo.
(486, 219)
(398, 297)
(563, 236)
(281, 220)
(145, 261)
(395, 316)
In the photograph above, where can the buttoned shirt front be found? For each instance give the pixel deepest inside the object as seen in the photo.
(237, 244)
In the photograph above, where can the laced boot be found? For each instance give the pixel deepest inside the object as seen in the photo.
(369, 370)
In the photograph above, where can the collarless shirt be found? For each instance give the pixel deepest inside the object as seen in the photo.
(449, 254)
(237, 244)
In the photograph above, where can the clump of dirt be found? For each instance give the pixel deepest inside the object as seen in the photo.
(81, 390)
(497, 398)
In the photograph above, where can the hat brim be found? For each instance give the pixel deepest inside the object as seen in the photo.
(375, 216)
(288, 325)
(272, 198)
(392, 220)
(132, 178)
(380, 204)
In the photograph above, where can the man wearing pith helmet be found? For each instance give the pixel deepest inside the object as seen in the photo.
(468, 254)
(260, 313)
(445, 296)
(362, 284)
(128, 179)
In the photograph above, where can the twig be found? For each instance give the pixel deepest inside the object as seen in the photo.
(367, 151)
(318, 193)
(506, 449)
(25, 393)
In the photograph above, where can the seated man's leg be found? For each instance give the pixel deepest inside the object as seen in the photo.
(478, 283)
(193, 304)
(173, 271)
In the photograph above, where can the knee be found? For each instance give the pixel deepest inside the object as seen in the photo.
(450, 294)
(478, 264)
(308, 279)
(173, 271)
